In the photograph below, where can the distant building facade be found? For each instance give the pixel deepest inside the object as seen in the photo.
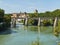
(19, 15)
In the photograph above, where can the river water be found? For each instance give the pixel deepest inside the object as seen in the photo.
(25, 35)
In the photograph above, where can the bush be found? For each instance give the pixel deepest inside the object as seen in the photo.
(46, 23)
(7, 20)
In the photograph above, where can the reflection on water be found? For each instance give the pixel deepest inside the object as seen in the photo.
(28, 35)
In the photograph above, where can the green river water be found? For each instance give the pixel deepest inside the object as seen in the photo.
(22, 35)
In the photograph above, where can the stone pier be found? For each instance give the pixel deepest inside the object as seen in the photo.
(55, 22)
(26, 21)
(39, 19)
(13, 22)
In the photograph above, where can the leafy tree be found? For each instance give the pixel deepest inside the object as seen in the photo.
(47, 14)
(41, 14)
(36, 13)
(56, 13)
(1, 15)
(31, 15)
(7, 20)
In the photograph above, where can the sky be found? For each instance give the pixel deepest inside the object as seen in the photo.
(16, 6)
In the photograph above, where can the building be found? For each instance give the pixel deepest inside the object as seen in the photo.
(20, 15)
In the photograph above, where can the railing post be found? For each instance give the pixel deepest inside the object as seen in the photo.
(39, 21)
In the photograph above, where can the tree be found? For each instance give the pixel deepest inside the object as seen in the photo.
(56, 13)
(36, 13)
(48, 14)
(1, 15)
(7, 20)
(41, 14)
(1, 18)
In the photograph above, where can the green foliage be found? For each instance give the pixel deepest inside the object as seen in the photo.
(1, 15)
(35, 14)
(30, 22)
(31, 15)
(7, 20)
(56, 13)
(59, 26)
(41, 14)
(1, 12)
(46, 22)
(1, 18)
(57, 30)
(46, 14)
